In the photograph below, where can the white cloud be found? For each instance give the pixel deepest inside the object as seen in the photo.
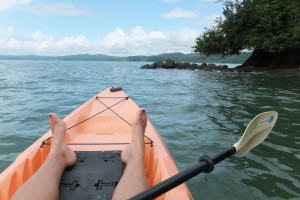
(181, 13)
(157, 35)
(138, 33)
(9, 4)
(38, 36)
(115, 39)
(59, 9)
(40, 41)
(80, 40)
(136, 42)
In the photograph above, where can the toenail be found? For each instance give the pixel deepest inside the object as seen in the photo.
(50, 115)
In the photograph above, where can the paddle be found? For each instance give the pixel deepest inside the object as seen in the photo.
(257, 130)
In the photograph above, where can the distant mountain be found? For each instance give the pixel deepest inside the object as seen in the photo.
(178, 57)
(82, 57)
(192, 57)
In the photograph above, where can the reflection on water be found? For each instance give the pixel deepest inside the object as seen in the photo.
(196, 113)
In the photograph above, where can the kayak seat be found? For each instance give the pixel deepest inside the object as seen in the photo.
(94, 176)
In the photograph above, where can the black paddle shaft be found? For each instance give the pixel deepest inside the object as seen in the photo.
(205, 164)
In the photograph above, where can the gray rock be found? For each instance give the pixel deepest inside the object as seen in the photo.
(158, 65)
(170, 64)
(179, 65)
(194, 66)
(147, 66)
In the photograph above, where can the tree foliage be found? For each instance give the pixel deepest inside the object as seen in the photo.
(266, 25)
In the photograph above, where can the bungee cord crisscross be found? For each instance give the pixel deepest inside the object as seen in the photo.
(107, 108)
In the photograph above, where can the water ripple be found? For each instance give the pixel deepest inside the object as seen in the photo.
(196, 113)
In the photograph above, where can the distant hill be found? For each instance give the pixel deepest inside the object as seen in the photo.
(178, 57)
(192, 57)
(83, 57)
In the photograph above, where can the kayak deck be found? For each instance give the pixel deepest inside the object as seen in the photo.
(101, 124)
(94, 176)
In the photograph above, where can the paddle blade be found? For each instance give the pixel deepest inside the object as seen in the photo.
(256, 132)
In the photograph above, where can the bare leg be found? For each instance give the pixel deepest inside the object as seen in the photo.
(134, 180)
(44, 183)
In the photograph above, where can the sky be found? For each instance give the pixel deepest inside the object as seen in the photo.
(111, 27)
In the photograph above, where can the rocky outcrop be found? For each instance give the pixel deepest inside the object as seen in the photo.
(171, 64)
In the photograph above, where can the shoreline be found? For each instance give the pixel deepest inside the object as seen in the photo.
(171, 64)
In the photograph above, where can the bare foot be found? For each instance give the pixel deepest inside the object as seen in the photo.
(58, 145)
(136, 147)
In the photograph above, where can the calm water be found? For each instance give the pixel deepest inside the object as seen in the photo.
(196, 113)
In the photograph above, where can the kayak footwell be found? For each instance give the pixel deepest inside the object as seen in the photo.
(94, 176)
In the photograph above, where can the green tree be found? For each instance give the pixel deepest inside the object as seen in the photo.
(269, 27)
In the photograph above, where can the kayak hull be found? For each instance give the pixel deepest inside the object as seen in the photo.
(101, 124)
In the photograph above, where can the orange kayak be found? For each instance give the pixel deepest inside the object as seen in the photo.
(102, 124)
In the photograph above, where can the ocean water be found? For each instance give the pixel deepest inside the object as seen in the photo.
(196, 113)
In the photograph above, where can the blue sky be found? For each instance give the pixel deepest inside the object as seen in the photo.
(112, 27)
